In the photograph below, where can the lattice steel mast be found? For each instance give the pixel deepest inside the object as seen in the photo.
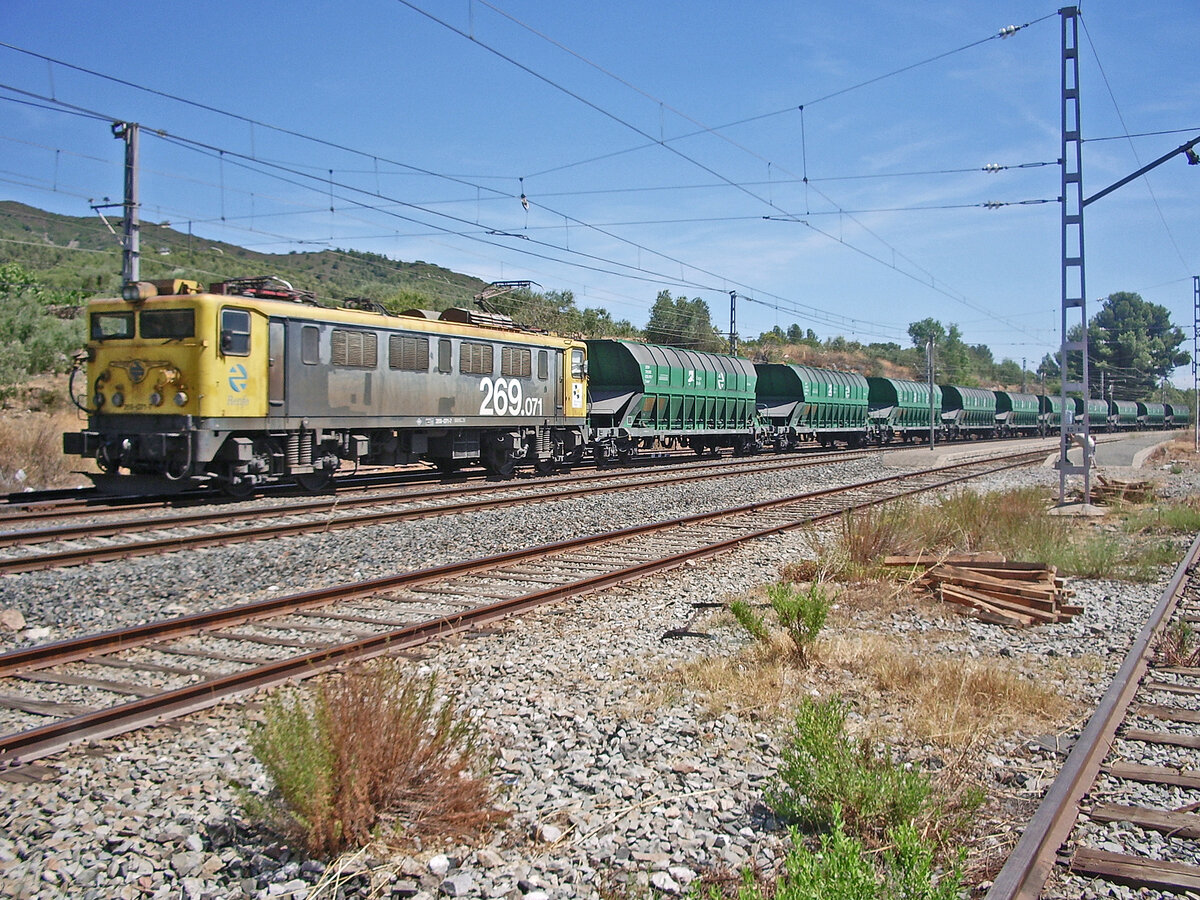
(1074, 293)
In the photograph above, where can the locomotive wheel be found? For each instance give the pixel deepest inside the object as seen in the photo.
(502, 466)
(316, 481)
(545, 466)
(238, 490)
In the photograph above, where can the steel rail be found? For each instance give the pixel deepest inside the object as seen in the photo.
(1025, 872)
(35, 743)
(337, 504)
(131, 549)
(74, 649)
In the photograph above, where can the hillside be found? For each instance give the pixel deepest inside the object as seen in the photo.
(82, 254)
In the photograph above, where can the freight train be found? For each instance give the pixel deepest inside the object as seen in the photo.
(250, 382)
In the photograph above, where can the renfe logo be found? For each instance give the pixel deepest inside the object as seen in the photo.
(237, 378)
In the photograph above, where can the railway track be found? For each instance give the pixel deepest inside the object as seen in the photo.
(1140, 742)
(101, 685)
(49, 506)
(91, 542)
(63, 503)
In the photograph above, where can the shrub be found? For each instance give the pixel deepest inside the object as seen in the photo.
(825, 775)
(373, 746)
(801, 614)
(843, 869)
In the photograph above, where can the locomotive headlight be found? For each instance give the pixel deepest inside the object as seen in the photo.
(98, 400)
(181, 399)
(156, 399)
(118, 399)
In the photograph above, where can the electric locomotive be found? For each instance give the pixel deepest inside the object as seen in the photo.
(251, 382)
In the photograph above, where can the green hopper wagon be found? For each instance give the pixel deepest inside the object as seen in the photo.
(643, 393)
(1016, 413)
(901, 409)
(803, 403)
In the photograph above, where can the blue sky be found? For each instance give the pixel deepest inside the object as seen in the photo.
(660, 146)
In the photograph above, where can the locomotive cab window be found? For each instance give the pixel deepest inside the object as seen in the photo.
(168, 324)
(235, 332)
(543, 364)
(310, 345)
(112, 326)
(578, 366)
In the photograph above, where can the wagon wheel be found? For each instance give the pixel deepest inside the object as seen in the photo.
(238, 489)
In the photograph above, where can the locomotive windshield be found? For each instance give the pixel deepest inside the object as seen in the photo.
(172, 324)
(112, 326)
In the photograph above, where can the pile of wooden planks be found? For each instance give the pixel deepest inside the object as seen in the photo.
(1005, 593)
(1108, 490)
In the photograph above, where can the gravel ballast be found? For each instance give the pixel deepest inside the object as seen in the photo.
(607, 775)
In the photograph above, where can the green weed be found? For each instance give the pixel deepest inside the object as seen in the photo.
(1167, 518)
(825, 775)
(801, 613)
(842, 868)
(754, 624)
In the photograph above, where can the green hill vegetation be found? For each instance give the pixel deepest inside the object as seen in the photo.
(50, 264)
(81, 254)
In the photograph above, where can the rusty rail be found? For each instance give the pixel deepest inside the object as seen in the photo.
(1025, 872)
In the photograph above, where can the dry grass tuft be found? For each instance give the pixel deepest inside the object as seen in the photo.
(1178, 646)
(755, 682)
(373, 750)
(949, 701)
(31, 451)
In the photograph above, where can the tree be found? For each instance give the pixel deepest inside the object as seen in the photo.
(922, 331)
(953, 358)
(1008, 372)
(1133, 343)
(34, 336)
(679, 322)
